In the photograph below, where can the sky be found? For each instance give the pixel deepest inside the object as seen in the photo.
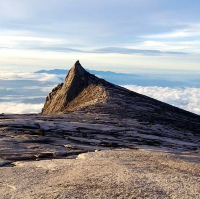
(113, 35)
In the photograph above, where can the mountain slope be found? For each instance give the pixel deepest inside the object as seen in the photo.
(84, 91)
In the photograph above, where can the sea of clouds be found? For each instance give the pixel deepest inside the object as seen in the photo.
(20, 108)
(17, 87)
(186, 98)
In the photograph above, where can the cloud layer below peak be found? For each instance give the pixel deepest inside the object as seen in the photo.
(184, 98)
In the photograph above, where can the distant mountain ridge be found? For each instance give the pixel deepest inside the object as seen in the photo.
(124, 78)
(63, 71)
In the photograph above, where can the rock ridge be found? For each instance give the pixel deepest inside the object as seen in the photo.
(85, 92)
(80, 89)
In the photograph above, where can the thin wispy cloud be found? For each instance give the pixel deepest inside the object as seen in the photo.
(187, 47)
(27, 41)
(190, 31)
(135, 51)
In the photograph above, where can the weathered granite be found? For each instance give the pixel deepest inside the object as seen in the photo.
(86, 113)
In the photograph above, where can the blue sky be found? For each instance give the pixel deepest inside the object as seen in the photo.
(112, 35)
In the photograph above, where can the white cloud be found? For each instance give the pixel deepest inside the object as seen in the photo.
(20, 108)
(29, 40)
(191, 30)
(180, 46)
(171, 35)
(6, 75)
(184, 98)
(185, 40)
(43, 89)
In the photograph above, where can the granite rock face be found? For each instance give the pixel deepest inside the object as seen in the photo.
(80, 89)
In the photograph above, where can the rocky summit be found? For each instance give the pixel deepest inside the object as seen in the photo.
(79, 90)
(85, 92)
(95, 139)
(86, 113)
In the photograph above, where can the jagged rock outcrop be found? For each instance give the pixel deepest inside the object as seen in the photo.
(80, 89)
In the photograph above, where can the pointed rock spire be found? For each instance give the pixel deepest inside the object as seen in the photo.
(65, 95)
(77, 69)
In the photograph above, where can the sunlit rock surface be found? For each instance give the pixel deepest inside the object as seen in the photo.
(112, 174)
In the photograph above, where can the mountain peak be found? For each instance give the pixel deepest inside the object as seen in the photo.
(79, 89)
(78, 69)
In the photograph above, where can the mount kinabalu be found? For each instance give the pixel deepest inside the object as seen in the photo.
(84, 91)
(80, 89)
(88, 114)
(97, 115)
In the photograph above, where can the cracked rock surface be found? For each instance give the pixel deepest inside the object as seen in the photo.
(35, 137)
